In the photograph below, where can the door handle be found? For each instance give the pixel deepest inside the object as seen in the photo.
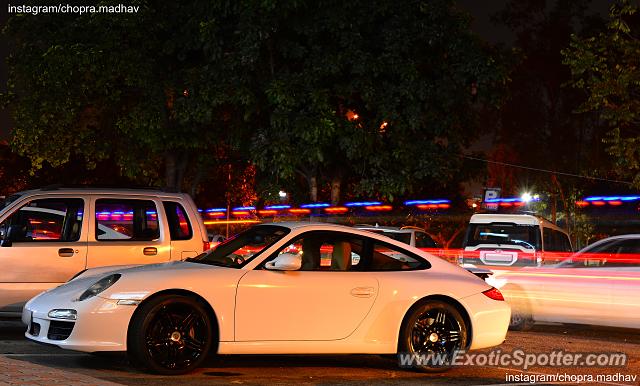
(362, 292)
(65, 252)
(150, 251)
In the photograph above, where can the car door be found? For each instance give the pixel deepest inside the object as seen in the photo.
(581, 290)
(127, 230)
(44, 245)
(625, 274)
(325, 300)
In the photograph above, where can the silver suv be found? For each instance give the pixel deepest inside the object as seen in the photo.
(414, 236)
(48, 235)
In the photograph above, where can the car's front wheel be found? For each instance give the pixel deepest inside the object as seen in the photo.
(431, 335)
(170, 335)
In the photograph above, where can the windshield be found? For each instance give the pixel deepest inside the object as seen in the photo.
(239, 250)
(526, 236)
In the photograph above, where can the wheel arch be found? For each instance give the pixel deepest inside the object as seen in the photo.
(179, 291)
(444, 298)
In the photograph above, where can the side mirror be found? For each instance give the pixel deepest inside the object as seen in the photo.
(285, 262)
(7, 241)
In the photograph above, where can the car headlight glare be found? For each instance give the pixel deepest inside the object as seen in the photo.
(99, 286)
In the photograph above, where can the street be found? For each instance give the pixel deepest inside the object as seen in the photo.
(314, 369)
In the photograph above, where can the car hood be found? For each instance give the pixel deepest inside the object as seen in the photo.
(73, 288)
(129, 269)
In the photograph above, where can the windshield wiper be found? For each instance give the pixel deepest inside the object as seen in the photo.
(523, 242)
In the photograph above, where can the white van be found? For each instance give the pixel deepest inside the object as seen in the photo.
(49, 235)
(509, 240)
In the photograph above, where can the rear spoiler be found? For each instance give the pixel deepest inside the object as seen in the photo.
(482, 273)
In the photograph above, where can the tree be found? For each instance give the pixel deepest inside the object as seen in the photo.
(537, 126)
(370, 93)
(120, 87)
(366, 93)
(606, 68)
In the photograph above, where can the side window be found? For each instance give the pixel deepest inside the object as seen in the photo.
(598, 256)
(627, 254)
(126, 220)
(50, 219)
(564, 242)
(179, 225)
(423, 240)
(327, 251)
(386, 257)
(548, 241)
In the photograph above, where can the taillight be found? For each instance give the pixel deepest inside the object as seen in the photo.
(205, 246)
(494, 294)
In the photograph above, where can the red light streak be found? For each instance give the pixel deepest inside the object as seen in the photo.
(299, 211)
(337, 209)
(380, 208)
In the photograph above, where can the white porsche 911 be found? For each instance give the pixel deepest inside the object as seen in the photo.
(285, 288)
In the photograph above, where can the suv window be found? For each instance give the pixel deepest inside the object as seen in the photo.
(556, 241)
(179, 225)
(50, 219)
(423, 240)
(126, 220)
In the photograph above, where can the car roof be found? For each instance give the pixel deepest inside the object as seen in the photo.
(383, 228)
(609, 239)
(523, 219)
(92, 190)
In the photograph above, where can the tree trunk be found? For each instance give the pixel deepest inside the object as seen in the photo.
(175, 168)
(313, 188)
(335, 190)
(170, 170)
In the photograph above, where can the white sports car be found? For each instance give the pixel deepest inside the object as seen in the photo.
(286, 288)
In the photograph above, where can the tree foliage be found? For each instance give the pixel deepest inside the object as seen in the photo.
(606, 68)
(366, 93)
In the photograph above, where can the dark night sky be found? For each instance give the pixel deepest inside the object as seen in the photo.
(481, 11)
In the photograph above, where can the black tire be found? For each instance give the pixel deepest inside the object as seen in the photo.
(170, 335)
(432, 327)
(520, 321)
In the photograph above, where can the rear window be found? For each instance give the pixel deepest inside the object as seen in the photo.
(527, 236)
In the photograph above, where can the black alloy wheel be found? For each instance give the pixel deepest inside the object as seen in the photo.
(170, 335)
(436, 331)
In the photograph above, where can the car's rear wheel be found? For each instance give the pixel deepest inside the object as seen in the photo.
(432, 334)
(170, 335)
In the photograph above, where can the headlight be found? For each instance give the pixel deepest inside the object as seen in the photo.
(99, 286)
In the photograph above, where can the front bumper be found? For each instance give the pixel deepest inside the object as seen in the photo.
(101, 324)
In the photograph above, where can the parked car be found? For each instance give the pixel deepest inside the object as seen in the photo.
(286, 288)
(414, 236)
(49, 235)
(598, 285)
(513, 240)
